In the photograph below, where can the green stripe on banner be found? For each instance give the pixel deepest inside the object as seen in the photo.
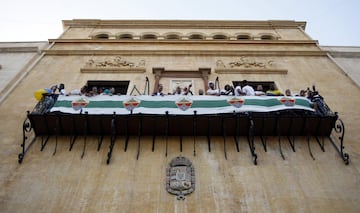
(302, 102)
(105, 104)
(93, 104)
(265, 103)
(210, 104)
(157, 104)
(172, 104)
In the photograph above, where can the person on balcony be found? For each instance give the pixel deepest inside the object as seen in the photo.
(237, 90)
(273, 91)
(187, 90)
(228, 90)
(288, 92)
(259, 90)
(159, 91)
(212, 90)
(177, 91)
(247, 90)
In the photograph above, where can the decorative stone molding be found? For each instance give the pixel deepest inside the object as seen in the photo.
(113, 65)
(180, 177)
(160, 72)
(247, 66)
(112, 70)
(252, 71)
(244, 62)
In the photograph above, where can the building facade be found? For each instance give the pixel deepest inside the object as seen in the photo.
(16, 59)
(135, 57)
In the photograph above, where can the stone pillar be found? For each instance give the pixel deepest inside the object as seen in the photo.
(158, 72)
(205, 76)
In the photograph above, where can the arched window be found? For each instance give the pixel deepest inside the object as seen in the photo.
(149, 36)
(125, 36)
(172, 36)
(196, 37)
(267, 37)
(102, 36)
(220, 37)
(243, 37)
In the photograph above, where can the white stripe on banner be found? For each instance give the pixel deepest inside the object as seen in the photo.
(182, 104)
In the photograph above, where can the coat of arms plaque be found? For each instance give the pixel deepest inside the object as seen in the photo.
(180, 177)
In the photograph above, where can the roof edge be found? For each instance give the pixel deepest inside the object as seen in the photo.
(184, 23)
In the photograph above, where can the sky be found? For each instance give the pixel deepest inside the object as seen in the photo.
(331, 22)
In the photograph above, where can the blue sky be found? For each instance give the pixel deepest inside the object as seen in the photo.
(331, 22)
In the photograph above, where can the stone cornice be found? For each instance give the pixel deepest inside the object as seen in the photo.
(344, 54)
(184, 41)
(251, 71)
(188, 52)
(112, 70)
(191, 24)
(19, 49)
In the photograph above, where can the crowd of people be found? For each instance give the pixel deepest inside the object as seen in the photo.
(228, 90)
(244, 90)
(54, 91)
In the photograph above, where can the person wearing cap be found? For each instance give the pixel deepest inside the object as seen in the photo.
(212, 90)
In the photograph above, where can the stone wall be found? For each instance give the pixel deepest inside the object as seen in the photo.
(65, 182)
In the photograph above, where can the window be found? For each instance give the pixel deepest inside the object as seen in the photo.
(220, 37)
(120, 87)
(182, 83)
(254, 84)
(149, 36)
(243, 37)
(267, 37)
(125, 36)
(172, 36)
(102, 36)
(196, 37)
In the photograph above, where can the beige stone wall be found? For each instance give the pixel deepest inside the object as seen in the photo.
(66, 183)
(348, 58)
(15, 60)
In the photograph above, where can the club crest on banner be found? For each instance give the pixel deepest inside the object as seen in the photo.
(236, 102)
(131, 104)
(80, 103)
(184, 104)
(288, 101)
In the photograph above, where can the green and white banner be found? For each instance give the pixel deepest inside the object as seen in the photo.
(177, 104)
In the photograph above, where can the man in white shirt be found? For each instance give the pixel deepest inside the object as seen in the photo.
(237, 90)
(247, 89)
(212, 90)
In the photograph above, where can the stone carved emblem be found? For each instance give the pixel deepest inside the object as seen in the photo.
(115, 62)
(180, 177)
(247, 63)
